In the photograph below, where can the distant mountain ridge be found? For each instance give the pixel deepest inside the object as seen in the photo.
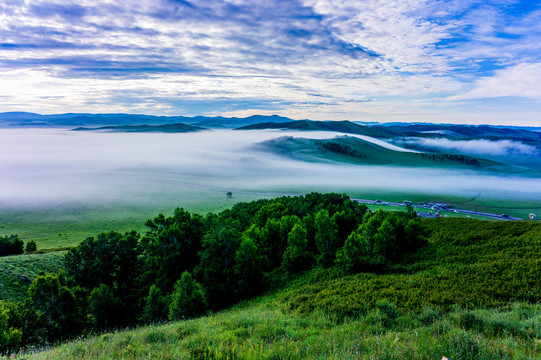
(167, 128)
(259, 122)
(25, 119)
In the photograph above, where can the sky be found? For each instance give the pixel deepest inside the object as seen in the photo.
(441, 61)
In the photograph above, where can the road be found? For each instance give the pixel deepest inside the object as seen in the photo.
(362, 201)
(424, 214)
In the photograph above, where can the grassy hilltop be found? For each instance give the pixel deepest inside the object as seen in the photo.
(471, 292)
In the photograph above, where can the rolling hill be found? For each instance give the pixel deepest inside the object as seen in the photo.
(347, 127)
(353, 150)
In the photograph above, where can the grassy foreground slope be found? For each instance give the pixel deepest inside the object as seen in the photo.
(472, 293)
(263, 330)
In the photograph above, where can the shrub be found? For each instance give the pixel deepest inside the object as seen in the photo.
(31, 247)
(429, 315)
(387, 308)
(9, 337)
(188, 299)
(461, 345)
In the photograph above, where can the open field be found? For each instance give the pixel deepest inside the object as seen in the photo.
(69, 224)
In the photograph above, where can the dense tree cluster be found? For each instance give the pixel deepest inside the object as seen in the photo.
(339, 148)
(12, 245)
(187, 264)
(463, 159)
(380, 239)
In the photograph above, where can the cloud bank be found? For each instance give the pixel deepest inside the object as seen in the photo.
(473, 147)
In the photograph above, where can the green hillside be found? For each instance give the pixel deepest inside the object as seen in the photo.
(357, 151)
(18, 271)
(472, 292)
(333, 280)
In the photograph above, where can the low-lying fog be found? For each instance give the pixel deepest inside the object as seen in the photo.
(499, 150)
(40, 166)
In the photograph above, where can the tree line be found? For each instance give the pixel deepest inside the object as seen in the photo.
(339, 148)
(12, 245)
(187, 264)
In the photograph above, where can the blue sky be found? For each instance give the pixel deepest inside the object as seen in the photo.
(453, 61)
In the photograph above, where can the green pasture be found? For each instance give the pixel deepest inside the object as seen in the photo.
(17, 271)
(69, 224)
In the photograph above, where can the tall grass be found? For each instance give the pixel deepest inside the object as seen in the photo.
(262, 329)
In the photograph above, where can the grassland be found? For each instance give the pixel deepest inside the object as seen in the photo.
(262, 329)
(17, 272)
(68, 224)
(472, 293)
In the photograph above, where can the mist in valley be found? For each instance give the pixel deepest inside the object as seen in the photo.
(41, 167)
(506, 151)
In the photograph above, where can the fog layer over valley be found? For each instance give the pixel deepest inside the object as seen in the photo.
(501, 150)
(41, 167)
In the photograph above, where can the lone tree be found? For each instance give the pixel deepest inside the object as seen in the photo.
(31, 247)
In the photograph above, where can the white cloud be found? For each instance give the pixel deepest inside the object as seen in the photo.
(474, 147)
(519, 80)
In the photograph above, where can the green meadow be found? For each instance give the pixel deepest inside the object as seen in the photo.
(68, 224)
(263, 329)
